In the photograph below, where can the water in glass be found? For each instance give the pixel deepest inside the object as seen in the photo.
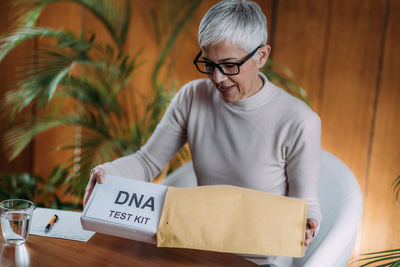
(15, 226)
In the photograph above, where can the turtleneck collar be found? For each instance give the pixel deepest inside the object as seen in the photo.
(256, 100)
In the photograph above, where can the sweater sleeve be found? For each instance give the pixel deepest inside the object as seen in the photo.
(303, 164)
(168, 137)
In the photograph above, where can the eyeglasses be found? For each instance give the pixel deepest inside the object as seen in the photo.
(228, 68)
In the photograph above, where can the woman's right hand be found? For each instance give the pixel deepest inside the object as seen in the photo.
(98, 175)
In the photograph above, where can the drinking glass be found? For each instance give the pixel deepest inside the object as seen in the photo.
(16, 218)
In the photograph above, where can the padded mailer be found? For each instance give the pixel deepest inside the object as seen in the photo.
(232, 219)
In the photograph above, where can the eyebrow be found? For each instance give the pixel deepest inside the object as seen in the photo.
(221, 60)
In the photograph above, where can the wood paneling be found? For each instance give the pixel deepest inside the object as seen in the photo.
(299, 45)
(56, 16)
(349, 81)
(381, 225)
(141, 37)
(333, 49)
(8, 77)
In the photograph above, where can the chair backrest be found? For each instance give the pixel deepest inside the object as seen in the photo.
(341, 207)
(182, 177)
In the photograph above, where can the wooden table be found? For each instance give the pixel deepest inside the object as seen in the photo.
(105, 250)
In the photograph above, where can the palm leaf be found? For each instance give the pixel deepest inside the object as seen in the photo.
(45, 70)
(54, 83)
(22, 185)
(162, 96)
(29, 11)
(97, 76)
(89, 96)
(172, 38)
(396, 190)
(282, 77)
(18, 138)
(114, 15)
(386, 258)
(49, 67)
(9, 42)
(94, 151)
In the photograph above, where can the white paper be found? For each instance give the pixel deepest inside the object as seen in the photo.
(68, 225)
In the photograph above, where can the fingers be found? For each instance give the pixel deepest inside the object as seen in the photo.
(312, 225)
(309, 237)
(97, 175)
(85, 199)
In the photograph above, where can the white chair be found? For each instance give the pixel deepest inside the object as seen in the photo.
(341, 206)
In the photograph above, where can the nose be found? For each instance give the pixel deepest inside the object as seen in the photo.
(218, 76)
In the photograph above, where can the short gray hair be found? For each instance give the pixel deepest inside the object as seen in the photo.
(236, 22)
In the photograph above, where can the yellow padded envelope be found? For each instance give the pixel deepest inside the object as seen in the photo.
(232, 219)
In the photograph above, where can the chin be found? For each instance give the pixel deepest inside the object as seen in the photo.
(230, 99)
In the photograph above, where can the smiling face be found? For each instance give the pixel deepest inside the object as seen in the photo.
(247, 82)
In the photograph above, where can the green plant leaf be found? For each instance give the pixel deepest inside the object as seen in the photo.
(115, 16)
(98, 77)
(30, 13)
(396, 189)
(54, 83)
(380, 260)
(19, 137)
(380, 256)
(280, 77)
(383, 252)
(172, 39)
(11, 41)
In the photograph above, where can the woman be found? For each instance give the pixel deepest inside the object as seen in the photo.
(241, 129)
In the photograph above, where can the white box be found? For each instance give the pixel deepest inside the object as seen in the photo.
(126, 208)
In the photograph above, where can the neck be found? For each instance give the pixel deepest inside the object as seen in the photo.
(258, 85)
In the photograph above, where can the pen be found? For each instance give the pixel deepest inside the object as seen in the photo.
(53, 220)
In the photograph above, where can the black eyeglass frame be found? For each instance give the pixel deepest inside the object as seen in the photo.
(215, 65)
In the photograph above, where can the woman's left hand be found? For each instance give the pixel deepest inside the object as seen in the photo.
(312, 225)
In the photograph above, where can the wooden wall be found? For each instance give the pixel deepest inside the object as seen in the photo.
(7, 80)
(345, 53)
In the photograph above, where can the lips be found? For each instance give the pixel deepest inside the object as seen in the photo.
(224, 89)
